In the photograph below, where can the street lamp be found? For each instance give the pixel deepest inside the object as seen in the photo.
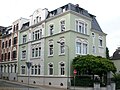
(68, 73)
(29, 64)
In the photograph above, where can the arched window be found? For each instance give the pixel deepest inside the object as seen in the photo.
(50, 48)
(50, 69)
(62, 68)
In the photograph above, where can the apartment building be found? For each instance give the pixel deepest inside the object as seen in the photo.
(9, 50)
(50, 40)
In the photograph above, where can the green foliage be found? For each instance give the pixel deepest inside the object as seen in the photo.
(84, 81)
(93, 64)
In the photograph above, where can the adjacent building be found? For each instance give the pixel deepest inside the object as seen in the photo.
(116, 59)
(50, 40)
(9, 50)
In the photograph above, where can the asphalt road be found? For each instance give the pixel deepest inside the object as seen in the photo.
(8, 85)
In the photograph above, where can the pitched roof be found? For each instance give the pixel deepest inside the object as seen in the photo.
(79, 10)
(116, 54)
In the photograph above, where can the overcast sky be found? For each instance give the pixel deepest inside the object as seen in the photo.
(106, 11)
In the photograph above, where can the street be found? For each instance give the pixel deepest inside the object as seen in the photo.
(8, 85)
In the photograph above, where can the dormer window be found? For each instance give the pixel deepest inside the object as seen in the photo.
(51, 29)
(37, 19)
(62, 25)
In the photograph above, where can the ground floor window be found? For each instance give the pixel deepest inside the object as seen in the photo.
(22, 69)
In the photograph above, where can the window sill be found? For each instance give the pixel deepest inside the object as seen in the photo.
(50, 55)
(23, 59)
(62, 54)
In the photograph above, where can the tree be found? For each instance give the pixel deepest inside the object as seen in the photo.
(107, 53)
(93, 65)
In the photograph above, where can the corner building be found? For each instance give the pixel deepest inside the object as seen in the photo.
(50, 41)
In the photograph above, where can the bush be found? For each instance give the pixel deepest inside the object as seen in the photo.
(116, 79)
(84, 81)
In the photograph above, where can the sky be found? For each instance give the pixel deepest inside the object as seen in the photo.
(106, 11)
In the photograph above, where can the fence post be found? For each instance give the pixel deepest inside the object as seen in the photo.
(96, 86)
(113, 86)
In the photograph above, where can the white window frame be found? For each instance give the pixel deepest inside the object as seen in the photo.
(50, 48)
(62, 46)
(93, 38)
(33, 52)
(36, 69)
(49, 69)
(85, 49)
(62, 25)
(51, 30)
(24, 38)
(24, 54)
(61, 68)
(36, 52)
(81, 24)
(99, 41)
(22, 69)
(80, 52)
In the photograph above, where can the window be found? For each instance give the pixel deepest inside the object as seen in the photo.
(50, 69)
(22, 69)
(15, 68)
(9, 42)
(62, 47)
(36, 52)
(32, 70)
(51, 49)
(100, 42)
(15, 40)
(33, 52)
(62, 69)
(78, 47)
(24, 54)
(2, 57)
(81, 27)
(94, 49)
(40, 33)
(51, 29)
(38, 69)
(11, 68)
(8, 55)
(84, 48)
(37, 34)
(5, 69)
(2, 44)
(81, 46)
(39, 51)
(6, 44)
(35, 69)
(24, 38)
(37, 19)
(17, 27)
(14, 28)
(14, 54)
(8, 68)
(62, 24)
(33, 35)
(93, 38)
(5, 56)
